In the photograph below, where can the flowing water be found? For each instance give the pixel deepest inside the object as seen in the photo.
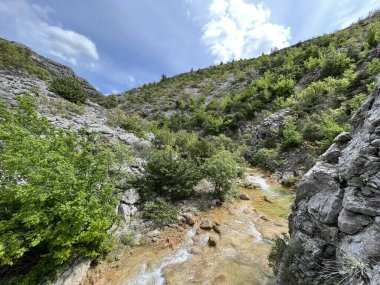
(240, 257)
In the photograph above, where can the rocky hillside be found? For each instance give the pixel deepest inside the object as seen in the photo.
(335, 224)
(286, 107)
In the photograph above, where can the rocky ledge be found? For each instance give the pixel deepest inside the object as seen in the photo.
(335, 223)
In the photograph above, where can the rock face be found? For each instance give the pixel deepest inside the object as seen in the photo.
(336, 215)
(74, 273)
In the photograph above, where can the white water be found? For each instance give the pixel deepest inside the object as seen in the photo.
(155, 276)
(265, 187)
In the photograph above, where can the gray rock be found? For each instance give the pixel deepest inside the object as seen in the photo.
(131, 196)
(73, 273)
(343, 138)
(355, 202)
(351, 223)
(244, 196)
(126, 212)
(206, 224)
(337, 207)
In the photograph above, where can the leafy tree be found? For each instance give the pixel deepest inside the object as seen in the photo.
(168, 175)
(57, 196)
(221, 169)
(68, 88)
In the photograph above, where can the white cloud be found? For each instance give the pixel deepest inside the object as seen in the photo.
(237, 29)
(29, 24)
(347, 15)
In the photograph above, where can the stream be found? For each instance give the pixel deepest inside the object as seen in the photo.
(247, 228)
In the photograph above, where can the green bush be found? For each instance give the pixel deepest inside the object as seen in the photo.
(373, 67)
(373, 35)
(160, 212)
(127, 239)
(221, 169)
(334, 63)
(276, 253)
(168, 175)
(68, 88)
(267, 158)
(291, 137)
(57, 194)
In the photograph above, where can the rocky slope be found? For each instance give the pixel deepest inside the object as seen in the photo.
(335, 224)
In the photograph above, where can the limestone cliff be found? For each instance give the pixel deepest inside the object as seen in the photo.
(335, 223)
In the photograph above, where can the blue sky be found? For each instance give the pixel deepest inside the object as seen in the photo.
(121, 44)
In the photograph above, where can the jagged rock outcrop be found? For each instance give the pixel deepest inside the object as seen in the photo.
(335, 223)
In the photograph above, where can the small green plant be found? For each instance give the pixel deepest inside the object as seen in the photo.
(373, 35)
(68, 88)
(160, 212)
(127, 239)
(349, 269)
(276, 253)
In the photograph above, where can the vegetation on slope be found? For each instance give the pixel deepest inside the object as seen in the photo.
(57, 194)
(321, 81)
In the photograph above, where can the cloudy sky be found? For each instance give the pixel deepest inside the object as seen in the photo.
(121, 44)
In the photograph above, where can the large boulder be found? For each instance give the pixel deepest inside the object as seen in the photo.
(336, 215)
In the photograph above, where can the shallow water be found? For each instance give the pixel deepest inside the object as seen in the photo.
(240, 257)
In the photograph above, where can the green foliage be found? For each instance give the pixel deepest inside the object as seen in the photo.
(58, 197)
(291, 137)
(69, 88)
(373, 35)
(127, 239)
(131, 123)
(168, 175)
(334, 63)
(373, 67)
(19, 57)
(329, 127)
(221, 170)
(109, 102)
(160, 212)
(267, 158)
(276, 253)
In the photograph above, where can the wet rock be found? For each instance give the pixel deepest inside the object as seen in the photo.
(189, 219)
(206, 224)
(244, 196)
(195, 250)
(212, 241)
(266, 199)
(217, 229)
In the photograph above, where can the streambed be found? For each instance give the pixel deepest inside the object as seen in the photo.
(247, 228)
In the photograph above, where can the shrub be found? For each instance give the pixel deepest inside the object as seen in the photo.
(267, 158)
(127, 239)
(276, 253)
(68, 88)
(291, 137)
(160, 212)
(334, 63)
(57, 194)
(373, 35)
(373, 67)
(221, 169)
(168, 175)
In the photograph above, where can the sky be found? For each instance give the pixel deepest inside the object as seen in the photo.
(121, 44)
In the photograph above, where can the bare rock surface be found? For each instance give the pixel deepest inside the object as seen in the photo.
(337, 209)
